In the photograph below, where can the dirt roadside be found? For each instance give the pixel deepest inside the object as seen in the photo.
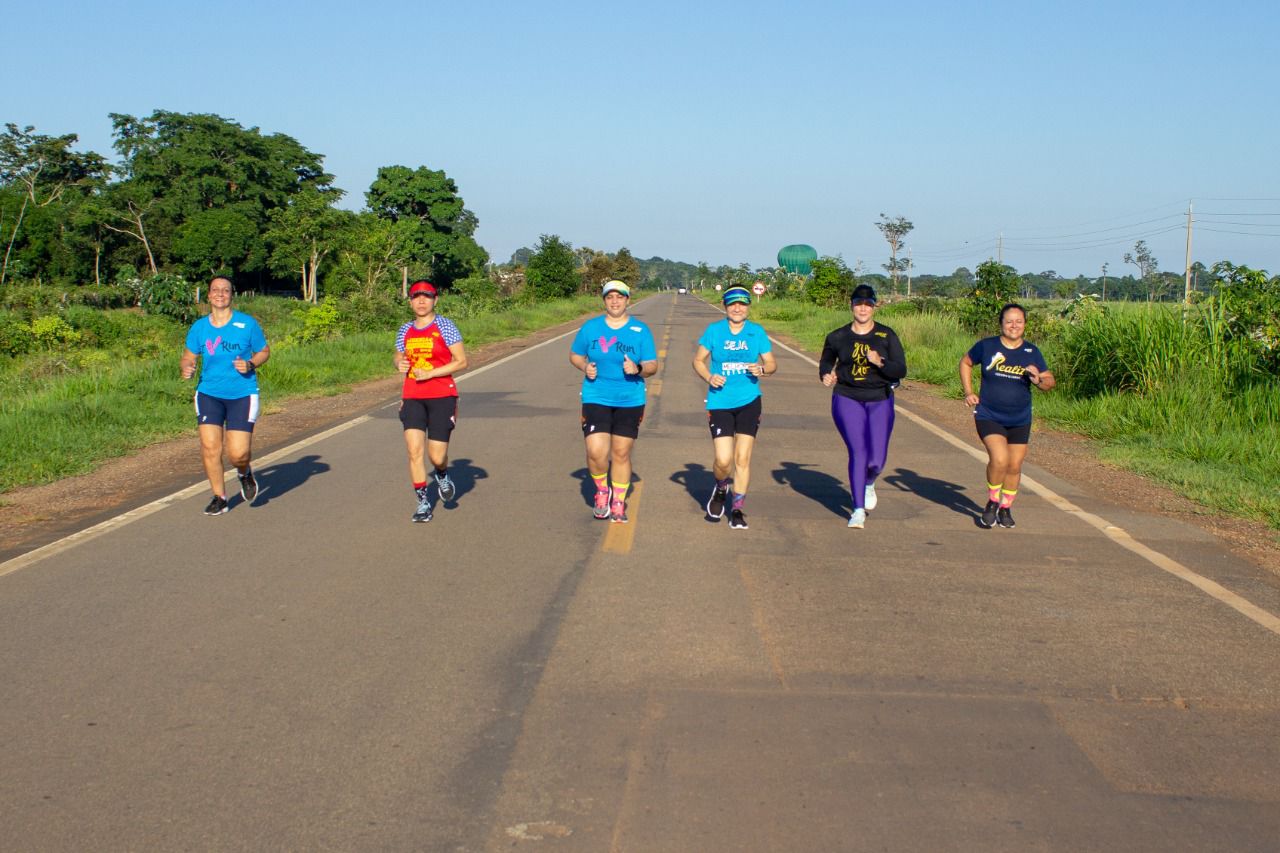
(32, 517)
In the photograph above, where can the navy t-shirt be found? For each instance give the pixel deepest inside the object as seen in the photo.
(1005, 396)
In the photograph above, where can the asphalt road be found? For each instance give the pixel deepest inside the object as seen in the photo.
(317, 673)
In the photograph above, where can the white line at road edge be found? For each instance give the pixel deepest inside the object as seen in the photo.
(82, 536)
(1115, 534)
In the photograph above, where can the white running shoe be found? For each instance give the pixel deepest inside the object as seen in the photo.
(859, 519)
(869, 499)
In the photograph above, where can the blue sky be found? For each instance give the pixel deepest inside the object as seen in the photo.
(721, 131)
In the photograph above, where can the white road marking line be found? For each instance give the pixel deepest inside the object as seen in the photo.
(1116, 534)
(82, 536)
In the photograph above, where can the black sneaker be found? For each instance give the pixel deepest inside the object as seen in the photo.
(423, 514)
(737, 521)
(1005, 517)
(248, 487)
(988, 519)
(446, 487)
(715, 504)
(217, 506)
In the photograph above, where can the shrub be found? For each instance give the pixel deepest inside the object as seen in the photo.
(830, 284)
(51, 332)
(15, 335)
(319, 322)
(168, 295)
(996, 285)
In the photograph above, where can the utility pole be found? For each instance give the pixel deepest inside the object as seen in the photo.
(1000, 248)
(1187, 292)
(908, 272)
(1104, 282)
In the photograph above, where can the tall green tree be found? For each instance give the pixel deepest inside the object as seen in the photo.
(552, 272)
(176, 167)
(625, 267)
(371, 255)
(439, 228)
(42, 169)
(305, 232)
(895, 230)
(1147, 265)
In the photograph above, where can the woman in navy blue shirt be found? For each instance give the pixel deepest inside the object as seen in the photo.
(1010, 367)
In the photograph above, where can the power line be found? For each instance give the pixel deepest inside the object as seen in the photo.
(1241, 233)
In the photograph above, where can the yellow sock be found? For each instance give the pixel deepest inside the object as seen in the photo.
(1006, 497)
(601, 482)
(993, 492)
(620, 491)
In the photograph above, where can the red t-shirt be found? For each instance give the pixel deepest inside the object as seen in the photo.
(427, 349)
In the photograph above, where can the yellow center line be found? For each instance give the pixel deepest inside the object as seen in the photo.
(619, 537)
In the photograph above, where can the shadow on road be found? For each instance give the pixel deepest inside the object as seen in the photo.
(816, 486)
(941, 492)
(276, 480)
(698, 481)
(464, 475)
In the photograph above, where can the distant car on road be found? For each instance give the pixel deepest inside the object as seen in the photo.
(682, 290)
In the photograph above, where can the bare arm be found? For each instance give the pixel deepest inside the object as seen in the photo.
(966, 380)
(581, 362)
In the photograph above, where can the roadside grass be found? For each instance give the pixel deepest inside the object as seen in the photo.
(64, 411)
(1166, 397)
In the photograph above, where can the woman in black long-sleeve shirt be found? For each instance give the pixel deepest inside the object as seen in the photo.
(863, 362)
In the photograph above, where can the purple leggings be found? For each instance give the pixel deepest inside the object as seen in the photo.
(865, 428)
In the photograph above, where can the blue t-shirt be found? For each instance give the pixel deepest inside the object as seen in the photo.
(1005, 395)
(241, 337)
(606, 347)
(731, 357)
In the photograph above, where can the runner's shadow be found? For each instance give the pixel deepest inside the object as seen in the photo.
(943, 493)
(698, 482)
(283, 477)
(816, 486)
(588, 487)
(464, 476)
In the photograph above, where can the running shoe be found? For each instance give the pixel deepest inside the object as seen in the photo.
(715, 504)
(446, 487)
(869, 499)
(217, 506)
(423, 514)
(988, 519)
(1004, 517)
(859, 519)
(618, 512)
(601, 510)
(737, 521)
(248, 487)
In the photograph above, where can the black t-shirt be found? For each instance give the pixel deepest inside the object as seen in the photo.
(856, 377)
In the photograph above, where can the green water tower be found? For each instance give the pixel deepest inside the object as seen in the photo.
(797, 258)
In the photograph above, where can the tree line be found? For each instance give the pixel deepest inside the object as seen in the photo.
(197, 195)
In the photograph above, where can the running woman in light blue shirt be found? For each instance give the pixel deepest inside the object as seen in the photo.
(615, 352)
(732, 355)
(231, 347)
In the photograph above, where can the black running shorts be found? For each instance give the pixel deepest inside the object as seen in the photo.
(1013, 435)
(744, 420)
(622, 421)
(436, 416)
